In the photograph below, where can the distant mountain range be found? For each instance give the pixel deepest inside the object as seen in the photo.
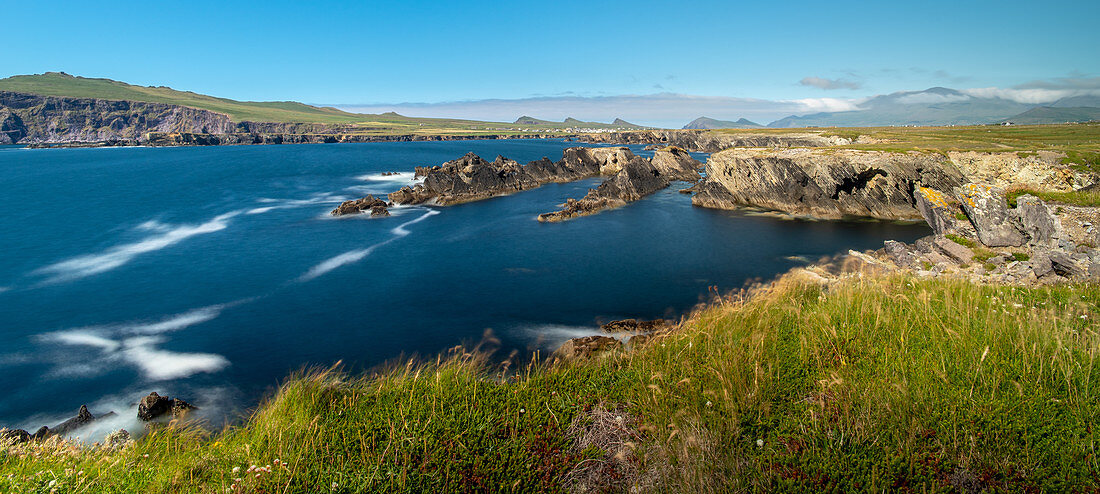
(710, 123)
(943, 106)
(572, 122)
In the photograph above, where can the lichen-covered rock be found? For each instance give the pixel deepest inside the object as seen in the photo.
(828, 184)
(937, 209)
(987, 210)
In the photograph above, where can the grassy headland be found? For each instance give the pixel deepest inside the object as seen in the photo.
(877, 383)
(64, 85)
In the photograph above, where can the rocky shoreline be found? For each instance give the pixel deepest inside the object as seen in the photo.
(151, 408)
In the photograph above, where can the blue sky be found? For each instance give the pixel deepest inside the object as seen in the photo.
(362, 54)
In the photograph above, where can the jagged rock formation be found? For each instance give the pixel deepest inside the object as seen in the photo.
(827, 184)
(377, 207)
(701, 141)
(636, 179)
(471, 178)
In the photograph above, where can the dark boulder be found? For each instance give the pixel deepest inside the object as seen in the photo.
(14, 436)
(377, 207)
(155, 405)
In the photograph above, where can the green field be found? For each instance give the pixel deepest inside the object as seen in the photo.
(879, 383)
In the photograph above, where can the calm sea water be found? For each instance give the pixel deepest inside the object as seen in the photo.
(212, 273)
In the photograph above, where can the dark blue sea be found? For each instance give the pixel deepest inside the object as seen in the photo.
(211, 273)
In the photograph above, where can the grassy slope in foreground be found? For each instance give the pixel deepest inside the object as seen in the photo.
(884, 383)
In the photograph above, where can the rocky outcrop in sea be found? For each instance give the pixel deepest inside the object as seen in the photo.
(472, 178)
(635, 178)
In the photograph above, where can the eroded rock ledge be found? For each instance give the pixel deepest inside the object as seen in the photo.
(824, 183)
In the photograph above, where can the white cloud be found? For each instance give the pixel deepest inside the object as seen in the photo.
(816, 105)
(929, 98)
(1029, 96)
(660, 109)
(830, 84)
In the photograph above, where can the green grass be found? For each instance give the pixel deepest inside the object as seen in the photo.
(1074, 198)
(963, 241)
(1083, 161)
(881, 383)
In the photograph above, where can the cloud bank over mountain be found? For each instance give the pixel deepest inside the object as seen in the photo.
(668, 109)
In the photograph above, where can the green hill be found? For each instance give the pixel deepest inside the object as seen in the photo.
(1052, 115)
(65, 85)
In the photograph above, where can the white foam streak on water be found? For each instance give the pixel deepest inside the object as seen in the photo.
(117, 342)
(160, 364)
(92, 264)
(400, 230)
(340, 260)
(295, 203)
(83, 338)
(353, 256)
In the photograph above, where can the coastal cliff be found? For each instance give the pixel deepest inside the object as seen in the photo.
(701, 141)
(826, 184)
(50, 121)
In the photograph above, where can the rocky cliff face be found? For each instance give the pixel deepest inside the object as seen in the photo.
(828, 184)
(711, 142)
(47, 119)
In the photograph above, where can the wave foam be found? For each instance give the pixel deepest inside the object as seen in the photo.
(159, 365)
(341, 260)
(119, 343)
(92, 264)
(400, 230)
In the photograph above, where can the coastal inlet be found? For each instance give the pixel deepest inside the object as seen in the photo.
(211, 273)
